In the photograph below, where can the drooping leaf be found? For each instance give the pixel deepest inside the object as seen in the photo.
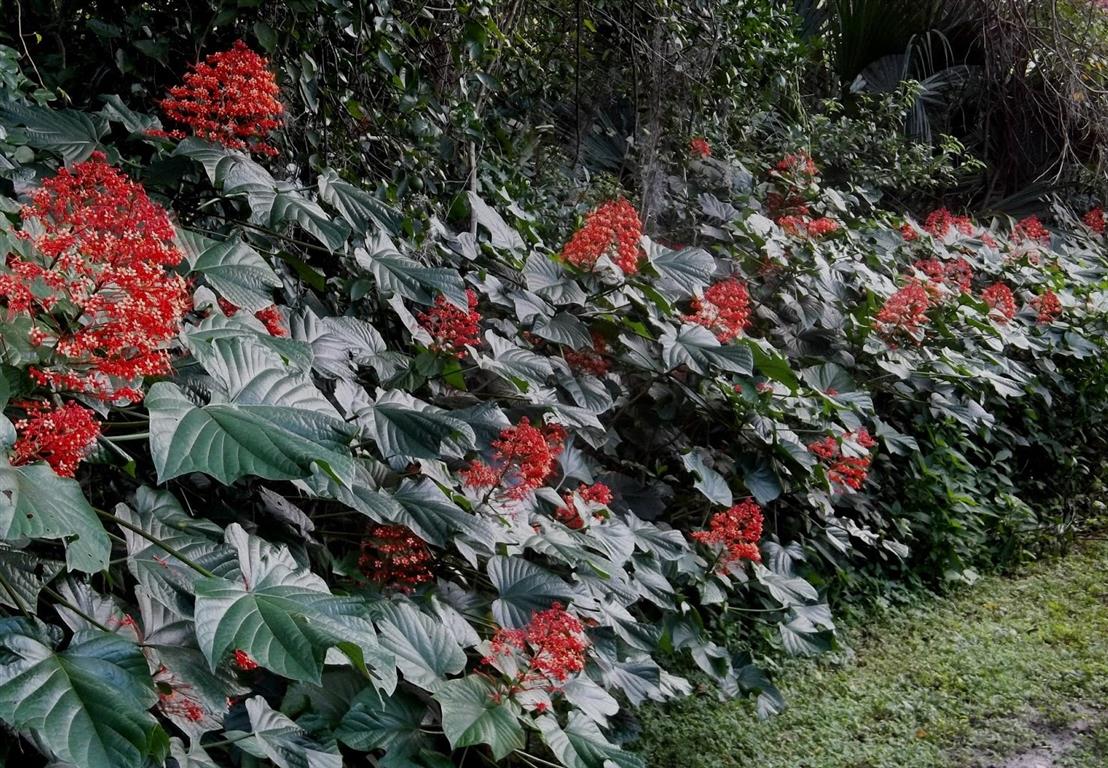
(399, 274)
(361, 210)
(523, 589)
(500, 234)
(393, 723)
(407, 428)
(426, 653)
(696, 347)
(275, 736)
(70, 134)
(685, 273)
(708, 481)
(293, 207)
(23, 577)
(581, 744)
(234, 269)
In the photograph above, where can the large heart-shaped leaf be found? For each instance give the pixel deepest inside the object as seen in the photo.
(696, 347)
(399, 274)
(283, 616)
(274, 735)
(393, 723)
(68, 133)
(292, 207)
(23, 577)
(523, 589)
(581, 744)
(235, 270)
(425, 650)
(407, 428)
(360, 209)
(684, 273)
(88, 703)
(473, 713)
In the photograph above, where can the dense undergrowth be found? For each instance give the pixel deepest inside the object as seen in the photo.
(349, 418)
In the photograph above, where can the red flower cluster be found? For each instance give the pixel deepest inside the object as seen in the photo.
(846, 471)
(903, 312)
(244, 661)
(96, 288)
(958, 273)
(597, 493)
(909, 232)
(62, 437)
(822, 226)
(737, 531)
(614, 226)
(940, 221)
(394, 557)
(1048, 306)
(176, 704)
(699, 146)
(1001, 301)
(724, 309)
(452, 328)
(1030, 229)
(798, 164)
(550, 649)
(230, 98)
(591, 361)
(270, 317)
(1094, 220)
(526, 456)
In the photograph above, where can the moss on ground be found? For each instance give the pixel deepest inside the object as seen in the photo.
(982, 679)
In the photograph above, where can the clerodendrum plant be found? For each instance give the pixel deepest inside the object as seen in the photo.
(288, 477)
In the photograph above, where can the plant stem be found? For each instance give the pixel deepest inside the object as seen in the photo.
(66, 604)
(156, 542)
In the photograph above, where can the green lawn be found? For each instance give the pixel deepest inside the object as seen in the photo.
(1011, 673)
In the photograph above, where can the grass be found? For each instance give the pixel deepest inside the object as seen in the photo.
(981, 679)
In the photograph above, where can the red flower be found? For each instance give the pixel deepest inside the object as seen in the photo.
(227, 308)
(591, 361)
(394, 557)
(799, 164)
(243, 661)
(62, 437)
(724, 309)
(96, 286)
(905, 311)
(230, 98)
(1032, 229)
(550, 649)
(849, 471)
(793, 224)
(272, 320)
(909, 232)
(1001, 301)
(862, 437)
(827, 448)
(525, 455)
(452, 328)
(737, 531)
(597, 493)
(939, 223)
(822, 226)
(613, 228)
(1047, 305)
(957, 273)
(1094, 220)
(700, 147)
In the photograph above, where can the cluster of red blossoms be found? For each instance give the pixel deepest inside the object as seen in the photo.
(613, 228)
(549, 650)
(736, 531)
(905, 312)
(1094, 220)
(724, 309)
(597, 493)
(244, 661)
(846, 471)
(62, 437)
(700, 147)
(1030, 229)
(176, 702)
(590, 361)
(1001, 301)
(1048, 306)
(957, 273)
(270, 317)
(452, 328)
(941, 222)
(395, 558)
(97, 287)
(799, 225)
(795, 165)
(230, 98)
(525, 457)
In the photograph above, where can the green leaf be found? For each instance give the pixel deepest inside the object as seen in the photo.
(70, 134)
(294, 208)
(392, 723)
(114, 109)
(696, 347)
(523, 589)
(519, 366)
(232, 268)
(399, 274)
(269, 421)
(283, 616)
(550, 280)
(685, 273)
(582, 745)
(500, 234)
(563, 328)
(88, 704)
(275, 736)
(426, 653)
(708, 481)
(407, 428)
(360, 209)
(762, 482)
(24, 576)
(434, 517)
(473, 712)
(37, 504)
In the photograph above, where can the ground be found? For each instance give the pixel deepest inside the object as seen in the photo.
(1009, 673)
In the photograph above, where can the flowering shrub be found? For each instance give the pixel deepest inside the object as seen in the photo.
(272, 484)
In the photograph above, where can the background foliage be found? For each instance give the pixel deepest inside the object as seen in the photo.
(216, 563)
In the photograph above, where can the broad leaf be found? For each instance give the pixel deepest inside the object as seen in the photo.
(500, 234)
(361, 210)
(68, 133)
(426, 653)
(474, 713)
(708, 481)
(275, 736)
(581, 744)
(696, 347)
(24, 576)
(399, 274)
(523, 589)
(231, 267)
(393, 723)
